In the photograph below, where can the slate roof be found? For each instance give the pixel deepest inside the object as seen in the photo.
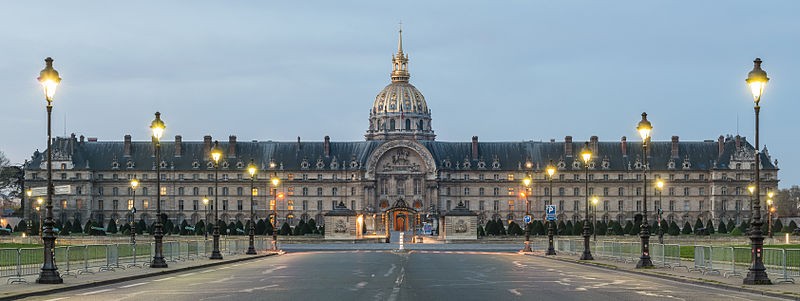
(703, 155)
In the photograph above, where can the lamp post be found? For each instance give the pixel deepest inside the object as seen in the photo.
(594, 218)
(551, 227)
(586, 155)
(644, 128)
(660, 187)
(770, 209)
(216, 154)
(39, 203)
(252, 170)
(29, 192)
(527, 182)
(134, 185)
(49, 79)
(275, 182)
(205, 227)
(157, 127)
(757, 274)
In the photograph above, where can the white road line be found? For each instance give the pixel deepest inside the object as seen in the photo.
(163, 279)
(56, 299)
(190, 274)
(96, 292)
(135, 284)
(207, 271)
(515, 292)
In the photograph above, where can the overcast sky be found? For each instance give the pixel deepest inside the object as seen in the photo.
(501, 70)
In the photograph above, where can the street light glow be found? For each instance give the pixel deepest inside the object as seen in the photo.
(157, 126)
(644, 128)
(660, 184)
(216, 152)
(757, 80)
(134, 183)
(49, 79)
(586, 153)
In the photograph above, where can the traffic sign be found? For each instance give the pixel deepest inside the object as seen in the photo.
(551, 212)
(60, 190)
(527, 219)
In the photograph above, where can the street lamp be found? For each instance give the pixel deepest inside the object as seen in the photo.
(586, 155)
(205, 226)
(757, 273)
(216, 154)
(49, 79)
(157, 127)
(660, 187)
(134, 185)
(551, 227)
(770, 209)
(275, 182)
(29, 192)
(644, 128)
(527, 182)
(252, 170)
(594, 217)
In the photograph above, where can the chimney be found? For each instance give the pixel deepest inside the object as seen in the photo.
(82, 139)
(593, 144)
(568, 146)
(298, 143)
(624, 146)
(327, 146)
(206, 145)
(721, 145)
(178, 146)
(474, 147)
(675, 147)
(231, 146)
(127, 146)
(738, 141)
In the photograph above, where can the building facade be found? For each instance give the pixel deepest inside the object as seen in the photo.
(400, 175)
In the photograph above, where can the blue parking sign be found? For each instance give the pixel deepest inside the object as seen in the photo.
(527, 219)
(551, 212)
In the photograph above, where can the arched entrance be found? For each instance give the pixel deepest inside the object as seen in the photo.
(400, 217)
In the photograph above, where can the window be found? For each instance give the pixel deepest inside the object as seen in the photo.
(638, 191)
(305, 205)
(620, 177)
(163, 190)
(685, 205)
(114, 191)
(724, 190)
(576, 177)
(561, 191)
(319, 191)
(466, 190)
(99, 204)
(621, 191)
(239, 205)
(606, 205)
(561, 177)
(305, 191)
(700, 205)
(511, 205)
(254, 192)
(180, 190)
(496, 205)
(145, 204)
(620, 206)
(333, 191)
(272, 204)
(447, 191)
(591, 190)
(333, 204)
(290, 191)
(449, 204)
(638, 206)
(511, 177)
(319, 205)
(224, 204)
(738, 205)
(672, 205)
(195, 176)
(605, 177)
(401, 187)
(290, 205)
(701, 191)
(144, 191)
(180, 205)
(417, 187)
(481, 191)
(224, 190)
(115, 176)
(576, 205)
(195, 191)
(481, 205)
(239, 191)
(686, 190)
(319, 177)
(130, 204)
(495, 191)
(576, 191)
(210, 191)
(195, 205)
(686, 177)
(511, 191)
(561, 205)
(466, 177)
(672, 191)
(701, 177)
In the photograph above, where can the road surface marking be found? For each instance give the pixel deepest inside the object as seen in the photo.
(515, 292)
(56, 299)
(207, 271)
(390, 270)
(162, 279)
(135, 284)
(190, 274)
(397, 283)
(96, 292)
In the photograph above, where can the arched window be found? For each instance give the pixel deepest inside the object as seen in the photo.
(421, 125)
(408, 124)
(391, 125)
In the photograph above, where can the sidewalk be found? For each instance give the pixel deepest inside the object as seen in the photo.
(682, 274)
(31, 288)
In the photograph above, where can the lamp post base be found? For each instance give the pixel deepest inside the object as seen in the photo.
(587, 256)
(757, 278)
(158, 262)
(49, 277)
(587, 252)
(215, 254)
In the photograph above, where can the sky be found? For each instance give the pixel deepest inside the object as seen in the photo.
(500, 70)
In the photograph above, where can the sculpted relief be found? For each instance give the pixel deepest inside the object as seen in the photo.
(400, 160)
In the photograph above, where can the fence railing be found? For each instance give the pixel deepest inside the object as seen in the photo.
(725, 261)
(75, 260)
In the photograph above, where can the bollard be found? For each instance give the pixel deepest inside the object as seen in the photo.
(401, 241)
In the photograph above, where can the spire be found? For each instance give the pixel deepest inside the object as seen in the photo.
(400, 40)
(400, 61)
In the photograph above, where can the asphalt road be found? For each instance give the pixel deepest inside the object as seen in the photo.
(387, 275)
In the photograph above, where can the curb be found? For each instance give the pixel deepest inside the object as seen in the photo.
(715, 284)
(126, 278)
